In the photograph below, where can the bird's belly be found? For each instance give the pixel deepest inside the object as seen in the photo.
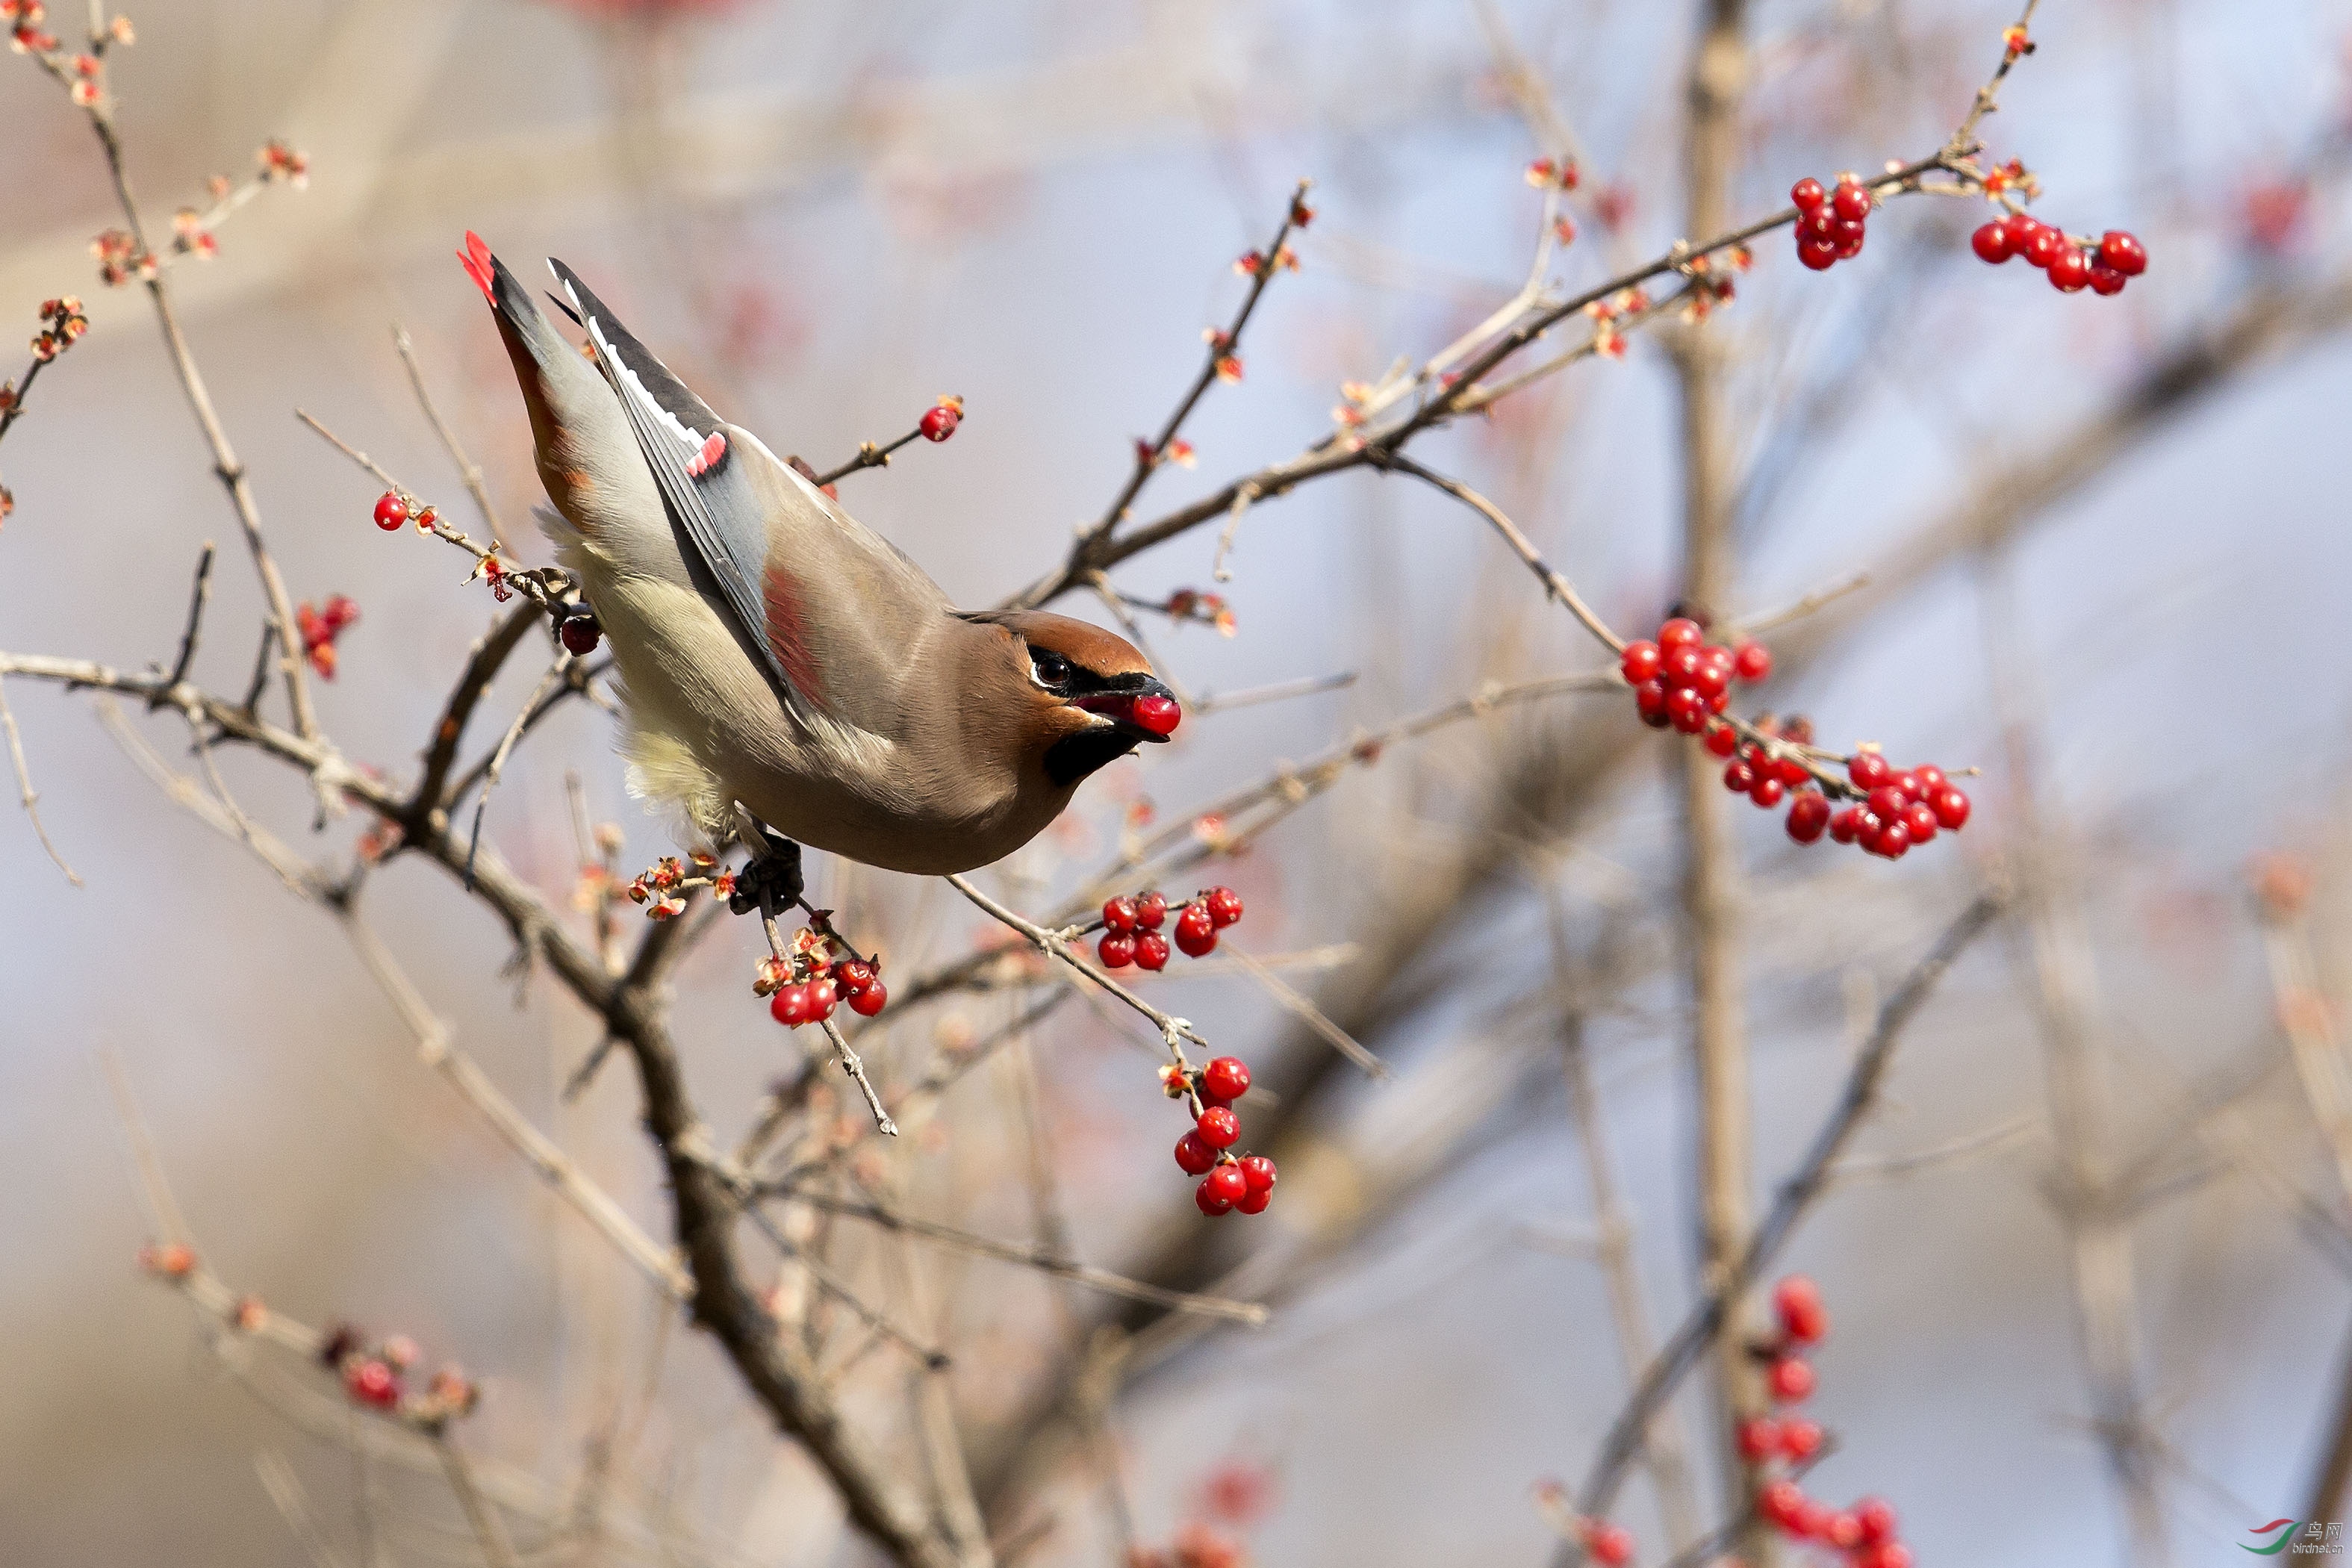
(688, 680)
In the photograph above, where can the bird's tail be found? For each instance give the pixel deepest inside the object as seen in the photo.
(576, 422)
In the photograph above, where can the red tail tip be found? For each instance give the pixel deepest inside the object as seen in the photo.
(476, 260)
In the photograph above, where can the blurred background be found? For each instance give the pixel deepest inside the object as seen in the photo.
(2088, 1266)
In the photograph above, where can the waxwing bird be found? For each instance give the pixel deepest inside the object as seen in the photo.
(777, 656)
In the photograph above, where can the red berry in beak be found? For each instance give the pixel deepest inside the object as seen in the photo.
(1158, 715)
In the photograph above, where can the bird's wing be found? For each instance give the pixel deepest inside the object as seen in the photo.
(834, 611)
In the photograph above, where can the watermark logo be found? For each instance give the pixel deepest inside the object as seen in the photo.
(2296, 1537)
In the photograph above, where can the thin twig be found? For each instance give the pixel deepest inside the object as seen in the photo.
(875, 1212)
(198, 597)
(467, 469)
(1307, 1013)
(26, 793)
(1706, 1318)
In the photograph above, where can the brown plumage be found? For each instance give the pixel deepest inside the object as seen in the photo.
(777, 656)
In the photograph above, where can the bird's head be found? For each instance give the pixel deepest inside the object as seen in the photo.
(1086, 696)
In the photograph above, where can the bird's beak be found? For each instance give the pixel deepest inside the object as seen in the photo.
(1150, 711)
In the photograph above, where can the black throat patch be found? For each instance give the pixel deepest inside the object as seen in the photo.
(1073, 757)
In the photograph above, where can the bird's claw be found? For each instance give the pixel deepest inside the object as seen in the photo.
(771, 879)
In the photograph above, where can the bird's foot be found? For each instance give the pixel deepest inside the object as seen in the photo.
(772, 879)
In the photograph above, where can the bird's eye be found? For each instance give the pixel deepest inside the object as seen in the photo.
(1050, 668)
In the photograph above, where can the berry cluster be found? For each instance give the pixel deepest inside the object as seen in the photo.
(822, 972)
(1830, 224)
(1227, 1181)
(373, 1377)
(1865, 1532)
(321, 627)
(2102, 265)
(1681, 682)
(1130, 926)
(1897, 809)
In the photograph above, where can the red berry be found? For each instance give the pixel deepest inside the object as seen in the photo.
(1650, 701)
(2124, 252)
(853, 975)
(2070, 271)
(1852, 203)
(1225, 907)
(2106, 279)
(2044, 245)
(1797, 1301)
(1920, 818)
(1255, 1201)
(1845, 1532)
(1887, 801)
(1820, 255)
(1876, 1518)
(1718, 703)
(1680, 668)
(1751, 661)
(1991, 243)
(1722, 740)
(1800, 1439)
(1768, 792)
(1611, 1546)
(1782, 1502)
(1686, 711)
(1195, 932)
(2020, 227)
(1116, 951)
(1790, 1379)
(391, 511)
(1257, 1171)
(1208, 1197)
(1931, 779)
(871, 1000)
(1150, 951)
(1679, 632)
(1808, 814)
(1119, 915)
(1712, 680)
(1951, 809)
(1850, 238)
(371, 1382)
(1640, 662)
(582, 633)
(789, 1006)
(1759, 1438)
(1194, 1156)
(822, 994)
(1739, 778)
(1847, 824)
(1807, 194)
(1227, 1183)
(1892, 840)
(1813, 1520)
(1151, 908)
(1227, 1077)
(1868, 770)
(1219, 1127)
(1156, 714)
(1890, 1554)
(940, 421)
